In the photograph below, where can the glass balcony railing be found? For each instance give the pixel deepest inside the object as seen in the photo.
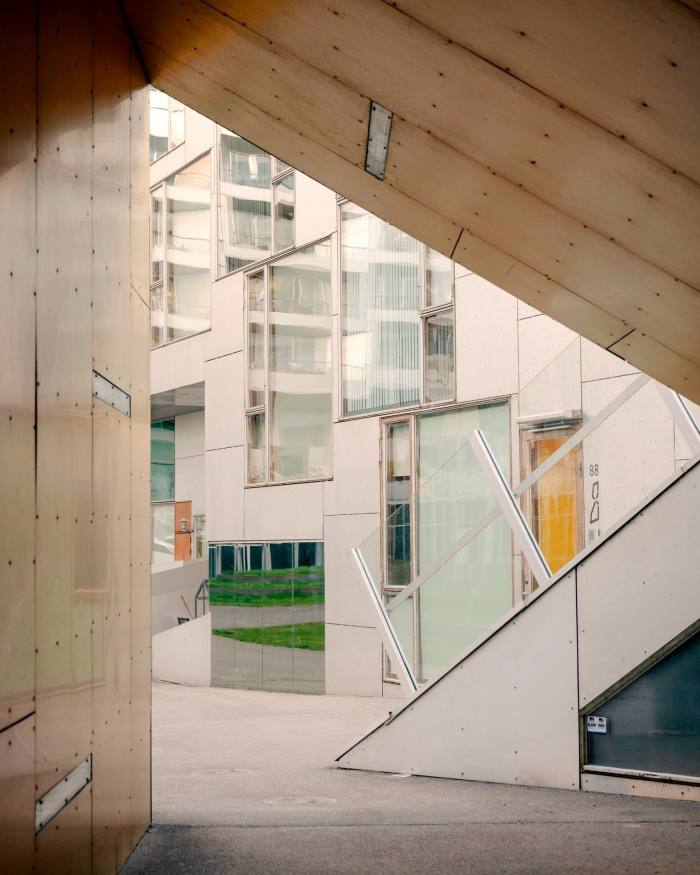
(472, 543)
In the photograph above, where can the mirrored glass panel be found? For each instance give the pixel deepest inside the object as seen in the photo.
(245, 197)
(256, 339)
(268, 616)
(188, 199)
(439, 278)
(283, 200)
(162, 532)
(439, 367)
(380, 301)
(257, 448)
(300, 376)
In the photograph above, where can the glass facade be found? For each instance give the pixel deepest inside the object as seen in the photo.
(396, 317)
(166, 123)
(245, 221)
(255, 204)
(434, 492)
(180, 253)
(289, 383)
(268, 616)
(163, 491)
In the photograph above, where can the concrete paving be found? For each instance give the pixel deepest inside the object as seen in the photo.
(244, 782)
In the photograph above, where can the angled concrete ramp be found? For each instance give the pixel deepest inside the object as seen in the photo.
(508, 710)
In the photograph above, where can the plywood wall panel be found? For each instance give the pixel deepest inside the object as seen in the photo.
(17, 380)
(69, 307)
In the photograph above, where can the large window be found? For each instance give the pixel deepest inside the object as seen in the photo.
(167, 123)
(289, 384)
(434, 491)
(163, 491)
(397, 317)
(268, 616)
(255, 204)
(180, 253)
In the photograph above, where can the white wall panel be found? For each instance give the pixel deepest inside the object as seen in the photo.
(293, 512)
(177, 364)
(356, 470)
(314, 210)
(486, 340)
(190, 479)
(346, 598)
(189, 435)
(353, 661)
(525, 311)
(224, 490)
(226, 333)
(540, 340)
(599, 364)
(508, 713)
(633, 449)
(199, 134)
(223, 393)
(641, 588)
(182, 655)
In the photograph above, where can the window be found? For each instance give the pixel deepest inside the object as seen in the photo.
(433, 493)
(180, 253)
(396, 315)
(255, 204)
(163, 490)
(167, 123)
(289, 383)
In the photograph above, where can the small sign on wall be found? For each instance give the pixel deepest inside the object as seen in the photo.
(598, 725)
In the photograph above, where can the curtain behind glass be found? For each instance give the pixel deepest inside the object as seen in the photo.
(245, 222)
(189, 279)
(380, 268)
(300, 364)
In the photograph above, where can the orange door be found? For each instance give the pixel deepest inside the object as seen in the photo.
(555, 504)
(183, 530)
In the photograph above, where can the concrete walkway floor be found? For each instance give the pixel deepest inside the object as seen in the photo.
(244, 782)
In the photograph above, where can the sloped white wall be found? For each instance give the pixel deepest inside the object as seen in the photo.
(641, 589)
(182, 655)
(508, 713)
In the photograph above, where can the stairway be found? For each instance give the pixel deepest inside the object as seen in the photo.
(512, 708)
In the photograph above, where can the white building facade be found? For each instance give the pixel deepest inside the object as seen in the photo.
(315, 376)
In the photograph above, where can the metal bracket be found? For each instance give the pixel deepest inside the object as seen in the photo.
(391, 642)
(511, 509)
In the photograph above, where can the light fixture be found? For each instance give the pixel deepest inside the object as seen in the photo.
(377, 139)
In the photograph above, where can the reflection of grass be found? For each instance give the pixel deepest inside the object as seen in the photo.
(305, 636)
(279, 587)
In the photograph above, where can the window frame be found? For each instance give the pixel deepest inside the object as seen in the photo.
(163, 282)
(424, 313)
(275, 176)
(171, 146)
(254, 410)
(412, 418)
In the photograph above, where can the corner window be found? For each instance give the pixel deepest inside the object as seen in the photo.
(255, 204)
(166, 123)
(397, 317)
(180, 253)
(289, 379)
(163, 491)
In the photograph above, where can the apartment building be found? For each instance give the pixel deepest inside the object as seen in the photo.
(315, 375)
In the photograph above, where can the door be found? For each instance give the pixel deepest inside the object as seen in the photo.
(183, 530)
(553, 504)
